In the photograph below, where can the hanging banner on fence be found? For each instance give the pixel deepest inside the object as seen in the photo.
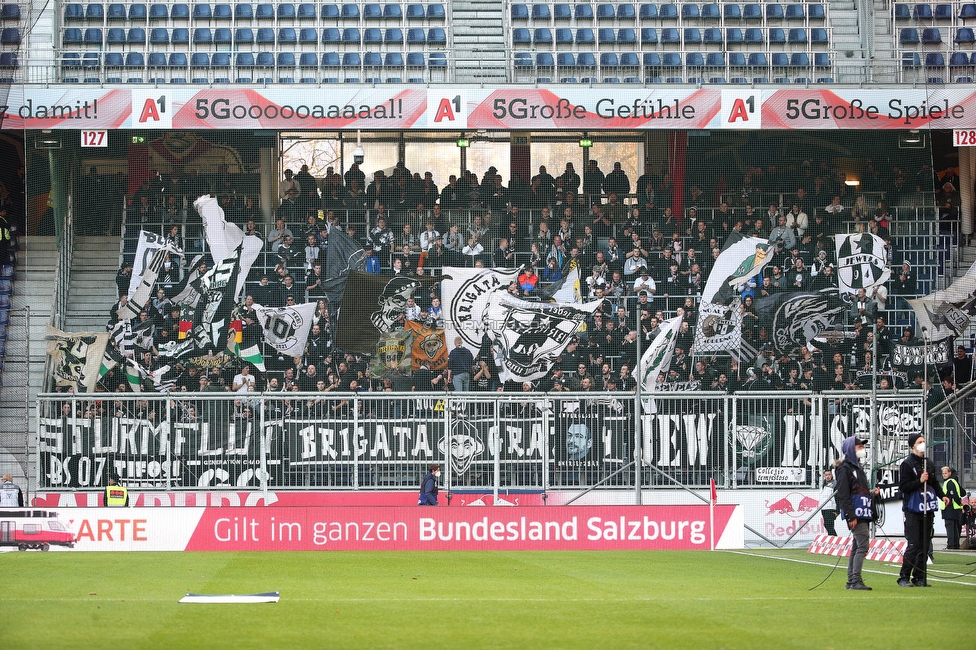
(76, 358)
(861, 261)
(390, 106)
(286, 328)
(912, 358)
(465, 297)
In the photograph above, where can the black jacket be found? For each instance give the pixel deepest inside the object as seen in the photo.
(910, 471)
(851, 480)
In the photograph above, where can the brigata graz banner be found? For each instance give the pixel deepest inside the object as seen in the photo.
(504, 108)
(375, 528)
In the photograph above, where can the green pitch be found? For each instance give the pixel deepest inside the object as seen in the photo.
(753, 599)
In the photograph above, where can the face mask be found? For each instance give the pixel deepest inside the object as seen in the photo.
(861, 453)
(437, 474)
(920, 447)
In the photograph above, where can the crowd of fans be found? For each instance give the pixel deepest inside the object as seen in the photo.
(646, 246)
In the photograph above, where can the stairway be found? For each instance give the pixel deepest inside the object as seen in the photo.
(845, 42)
(479, 40)
(23, 363)
(885, 65)
(92, 290)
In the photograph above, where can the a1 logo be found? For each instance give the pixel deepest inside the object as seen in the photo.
(448, 110)
(741, 110)
(151, 110)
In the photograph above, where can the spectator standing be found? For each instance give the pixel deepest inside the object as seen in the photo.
(962, 366)
(828, 503)
(11, 496)
(459, 364)
(428, 486)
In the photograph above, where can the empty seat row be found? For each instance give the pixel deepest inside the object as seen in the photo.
(937, 60)
(933, 36)
(674, 60)
(246, 35)
(711, 11)
(925, 12)
(240, 80)
(690, 80)
(286, 11)
(668, 35)
(307, 60)
(10, 12)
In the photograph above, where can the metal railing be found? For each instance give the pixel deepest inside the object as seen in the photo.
(526, 442)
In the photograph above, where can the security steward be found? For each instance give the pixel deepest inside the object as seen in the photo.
(920, 492)
(11, 496)
(855, 498)
(116, 496)
(952, 511)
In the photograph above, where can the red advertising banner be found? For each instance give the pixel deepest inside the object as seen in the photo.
(683, 527)
(511, 108)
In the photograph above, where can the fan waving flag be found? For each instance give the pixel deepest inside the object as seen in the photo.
(465, 297)
(224, 238)
(76, 357)
(286, 328)
(860, 261)
(657, 358)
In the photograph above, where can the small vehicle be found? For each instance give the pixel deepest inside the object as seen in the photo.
(33, 529)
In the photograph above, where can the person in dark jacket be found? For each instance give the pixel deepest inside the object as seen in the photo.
(952, 511)
(919, 488)
(854, 497)
(428, 486)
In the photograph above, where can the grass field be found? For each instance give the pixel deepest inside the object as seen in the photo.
(752, 599)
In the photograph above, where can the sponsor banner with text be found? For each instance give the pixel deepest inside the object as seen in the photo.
(503, 108)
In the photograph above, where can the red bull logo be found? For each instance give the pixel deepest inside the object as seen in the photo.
(794, 504)
(782, 507)
(807, 504)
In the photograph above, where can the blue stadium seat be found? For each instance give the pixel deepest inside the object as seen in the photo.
(670, 35)
(632, 80)
(648, 12)
(910, 60)
(222, 36)
(72, 36)
(287, 60)
(922, 12)
(609, 80)
(816, 12)
(94, 60)
(821, 60)
(136, 36)
(351, 35)
(539, 11)
(395, 80)
(671, 60)
(306, 11)
(738, 80)
(416, 12)
(94, 12)
(309, 60)
(801, 80)
(606, 36)
(520, 36)
(392, 12)
(285, 11)
(243, 12)
(416, 60)
(330, 11)
(690, 11)
(626, 11)
(797, 36)
(351, 60)
(776, 35)
(202, 11)
(220, 60)
(964, 36)
(799, 60)
(711, 11)
(694, 59)
(648, 35)
(733, 35)
(223, 12)
(668, 12)
(542, 36)
(114, 12)
(629, 60)
(712, 35)
(308, 35)
(626, 35)
(331, 35)
(565, 60)
(522, 60)
(825, 80)
(968, 10)
(774, 11)
(732, 12)
(909, 36)
(436, 11)
(652, 60)
(752, 12)
(372, 60)
(264, 60)
(561, 12)
(653, 80)
(265, 36)
(179, 12)
(394, 35)
(372, 12)
(73, 12)
(934, 60)
(308, 80)
(199, 60)
(203, 36)
(330, 60)
(737, 60)
(287, 36)
(781, 80)
(585, 60)
(931, 36)
(902, 12)
(519, 12)
(716, 80)
(609, 60)
(795, 12)
(605, 12)
(754, 35)
(958, 59)
(416, 36)
(350, 11)
(264, 12)
(93, 36)
(177, 60)
(436, 36)
(584, 35)
(964, 80)
(8, 60)
(157, 60)
(372, 35)
(692, 36)
(758, 60)
(244, 35)
(243, 60)
(544, 60)
(715, 59)
(674, 80)
(779, 60)
(115, 36)
(180, 36)
(583, 12)
(564, 35)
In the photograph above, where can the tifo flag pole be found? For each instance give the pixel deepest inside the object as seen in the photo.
(713, 499)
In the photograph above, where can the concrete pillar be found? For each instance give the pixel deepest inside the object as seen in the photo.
(967, 172)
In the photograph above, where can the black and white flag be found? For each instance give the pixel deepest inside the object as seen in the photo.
(286, 328)
(798, 319)
(146, 281)
(861, 261)
(465, 296)
(947, 313)
(224, 238)
(76, 357)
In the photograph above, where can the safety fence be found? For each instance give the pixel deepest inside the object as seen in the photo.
(522, 442)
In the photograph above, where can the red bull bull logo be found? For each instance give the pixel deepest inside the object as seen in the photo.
(782, 507)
